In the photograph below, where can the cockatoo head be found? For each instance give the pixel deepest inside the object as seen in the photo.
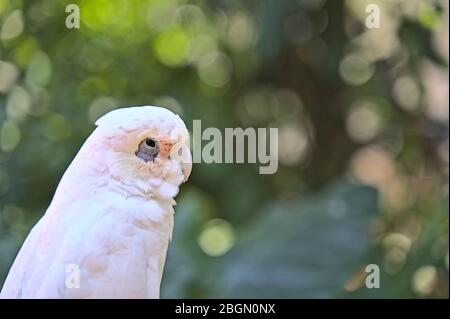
(145, 149)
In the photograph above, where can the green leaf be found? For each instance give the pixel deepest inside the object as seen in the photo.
(308, 248)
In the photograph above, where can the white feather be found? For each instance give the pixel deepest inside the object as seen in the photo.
(111, 215)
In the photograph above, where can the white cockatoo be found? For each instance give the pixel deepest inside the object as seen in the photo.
(107, 229)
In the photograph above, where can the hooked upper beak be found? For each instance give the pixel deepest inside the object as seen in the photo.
(186, 162)
(165, 149)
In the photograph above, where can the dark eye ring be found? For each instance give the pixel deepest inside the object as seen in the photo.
(150, 142)
(148, 149)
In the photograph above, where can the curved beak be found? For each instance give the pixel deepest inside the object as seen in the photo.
(186, 162)
(165, 149)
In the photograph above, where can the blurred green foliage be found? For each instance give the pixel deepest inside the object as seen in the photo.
(362, 115)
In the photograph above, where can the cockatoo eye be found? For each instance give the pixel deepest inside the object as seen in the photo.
(150, 142)
(148, 149)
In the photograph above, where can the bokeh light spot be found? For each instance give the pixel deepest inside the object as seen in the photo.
(215, 69)
(241, 33)
(171, 47)
(424, 280)
(39, 70)
(13, 26)
(18, 104)
(217, 237)
(162, 15)
(201, 46)
(406, 93)
(355, 70)
(8, 76)
(9, 136)
(293, 144)
(363, 122)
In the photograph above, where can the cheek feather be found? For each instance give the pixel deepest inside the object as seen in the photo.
(146, 170)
